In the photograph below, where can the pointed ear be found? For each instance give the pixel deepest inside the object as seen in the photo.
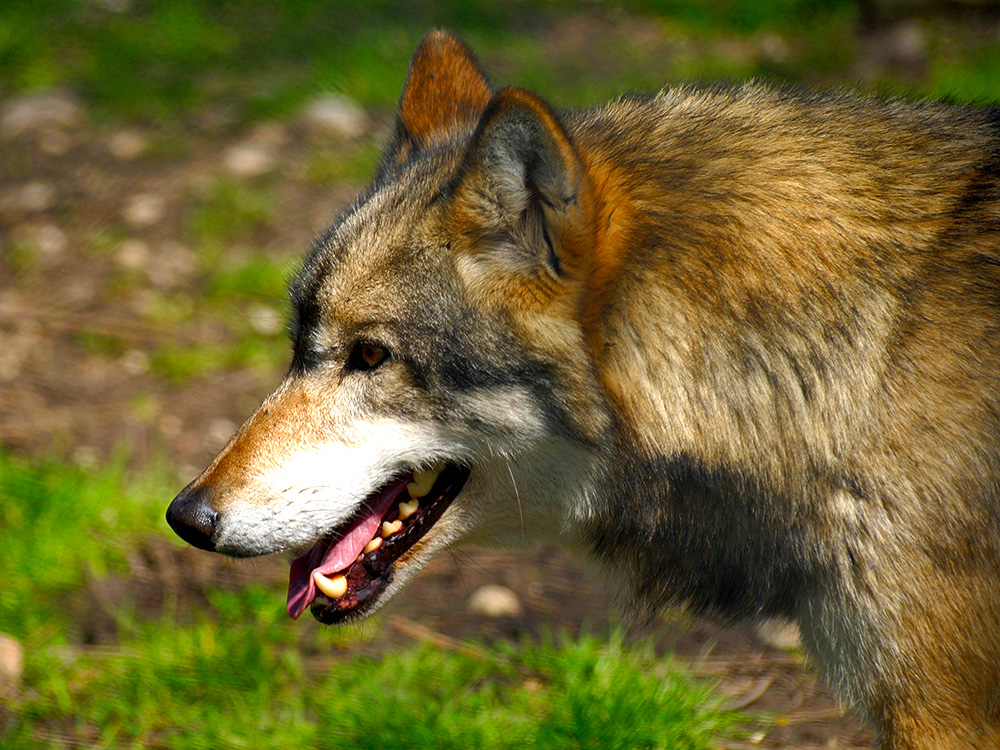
(523, 181)
(445, 93)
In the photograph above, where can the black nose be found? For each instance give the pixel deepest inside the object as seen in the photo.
(193, 518)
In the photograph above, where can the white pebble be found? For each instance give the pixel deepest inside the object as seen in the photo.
(266, 320)
(336, 115)
(144, 209)
(249, 160)
(36, 112)
(11, 662)
(495, 601)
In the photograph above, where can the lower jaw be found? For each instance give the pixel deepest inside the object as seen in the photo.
(355, 604)
(370, 575)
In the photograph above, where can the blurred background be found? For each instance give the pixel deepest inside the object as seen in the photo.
(163, 167)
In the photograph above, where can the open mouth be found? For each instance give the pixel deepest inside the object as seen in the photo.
(343, 574)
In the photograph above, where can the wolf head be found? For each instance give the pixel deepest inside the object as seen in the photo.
(441, 385)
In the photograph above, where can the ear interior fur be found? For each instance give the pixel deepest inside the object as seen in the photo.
(445, 93)
(523, 182)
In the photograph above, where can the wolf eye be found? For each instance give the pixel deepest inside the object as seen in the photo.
(367, 356)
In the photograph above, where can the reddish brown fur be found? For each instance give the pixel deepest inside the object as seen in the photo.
(280, 420)
(806, 223)
(773, 320)
(444, 91)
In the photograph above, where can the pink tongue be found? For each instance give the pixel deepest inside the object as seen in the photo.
(301, 588)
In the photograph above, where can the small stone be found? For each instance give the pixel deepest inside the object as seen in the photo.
(172, 264)
(780, 634)
(127, 145)
(218, 433)
(135, 362)
(271, 134)
(186, 472)
(86, 456)
(133, 254)
(11, 358)
(266, 320)
(34, 197)
(55, 142)
(144, 209)
(249, 160)
(34, 112)
(11, 664)
(51, 240)
(907, 43)
(495, 601)
(115, 6)
(171, 426)
(220, 118)
(80, 290)
(336, 115)
(17, 347)
(774, 48)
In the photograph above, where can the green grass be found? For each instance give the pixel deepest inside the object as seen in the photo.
(59, 525)
(248, 297)
(331, 167)
(260, 278)
(230, 212)
(239, 680)
(236, 672)
(245, 296)
(746, 16)
(180, 363)
(971, 74)
(100, 342)
(161, 60)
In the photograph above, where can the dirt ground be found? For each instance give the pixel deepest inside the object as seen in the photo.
(95, 227)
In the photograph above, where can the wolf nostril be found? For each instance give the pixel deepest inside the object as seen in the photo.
(193, 518)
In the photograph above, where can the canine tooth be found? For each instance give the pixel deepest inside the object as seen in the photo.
(332, 587)
(423, 481)
(407, 508)
(388, 529)
(373, 545)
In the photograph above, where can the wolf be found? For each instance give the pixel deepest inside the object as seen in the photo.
(740, 344)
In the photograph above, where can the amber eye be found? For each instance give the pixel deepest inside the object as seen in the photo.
(367, 356)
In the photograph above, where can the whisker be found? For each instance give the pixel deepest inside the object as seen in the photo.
(458, 567)
(520, 510)
(472, 561)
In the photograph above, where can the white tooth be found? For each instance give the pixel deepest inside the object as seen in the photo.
(408, 508)
(332, 587)
(388, 529)
(373, 545)
(423, 481)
